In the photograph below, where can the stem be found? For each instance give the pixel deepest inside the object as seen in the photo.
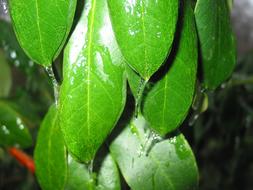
(138, 99)
(91, 182)
(238, 82)
(22, 158)
(56, 86)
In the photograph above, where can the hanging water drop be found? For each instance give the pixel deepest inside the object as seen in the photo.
(20, 124)
(133, 129)
(193, 119)
(138, 99)
(4, 6)
(141, 150)
(89, 166)
(5, 130)
(30, 63)
(151, 139)
(17, 63)
(54, 82)
(13, 55)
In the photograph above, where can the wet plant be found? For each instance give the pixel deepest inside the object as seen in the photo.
(124, 75)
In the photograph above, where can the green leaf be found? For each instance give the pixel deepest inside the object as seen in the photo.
(5, 76)
(93, 92)
(167, 102)
(217, 44)
(144, 31)
(42, 26)
(50, 153)
(13, 126)
(108, 174)
(134, 81)
(169, 164)
(79, 176)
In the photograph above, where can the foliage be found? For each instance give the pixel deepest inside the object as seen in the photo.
(95, 132)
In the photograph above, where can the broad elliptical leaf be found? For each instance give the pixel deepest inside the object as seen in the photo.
(93, 91)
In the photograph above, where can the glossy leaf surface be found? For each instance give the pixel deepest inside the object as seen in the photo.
(169, 164)
(5, 76)
(13, 126)
(78, 176)
(167, 103)
(42, 26)
(107, 175)
(93, 92)
(145, 31)
(217, 42)
(50, 153)
(106, 172)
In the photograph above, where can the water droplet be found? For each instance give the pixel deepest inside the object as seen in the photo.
(159, 34)
(131, 32)
(193, 119)
(151, 139)
(70, 159)
(141, 150)
(13, 54)
(30, 63)
(17, 63)
(133, 129)
(20, 124)
(50, 73)
(5, 130)
(4, 6)
(138, 99)
(173, 140)
(223, 85)
(89, 166)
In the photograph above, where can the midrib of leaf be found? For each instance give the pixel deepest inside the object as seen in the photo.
(49, 149)
(216, 36)
(144, 38)
(164, 173)
(157, 161)
(39, 31)
(90, 36)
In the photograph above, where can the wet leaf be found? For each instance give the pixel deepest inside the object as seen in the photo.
(168, 164)
(144, 31)
(5, 76)
(108, 175)
(167, 102)
(93, 92)
(106, 170)
(217, 44)
(42, 26)
(78, 176)
(13, 126)
(134, 81)
(50, 153)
